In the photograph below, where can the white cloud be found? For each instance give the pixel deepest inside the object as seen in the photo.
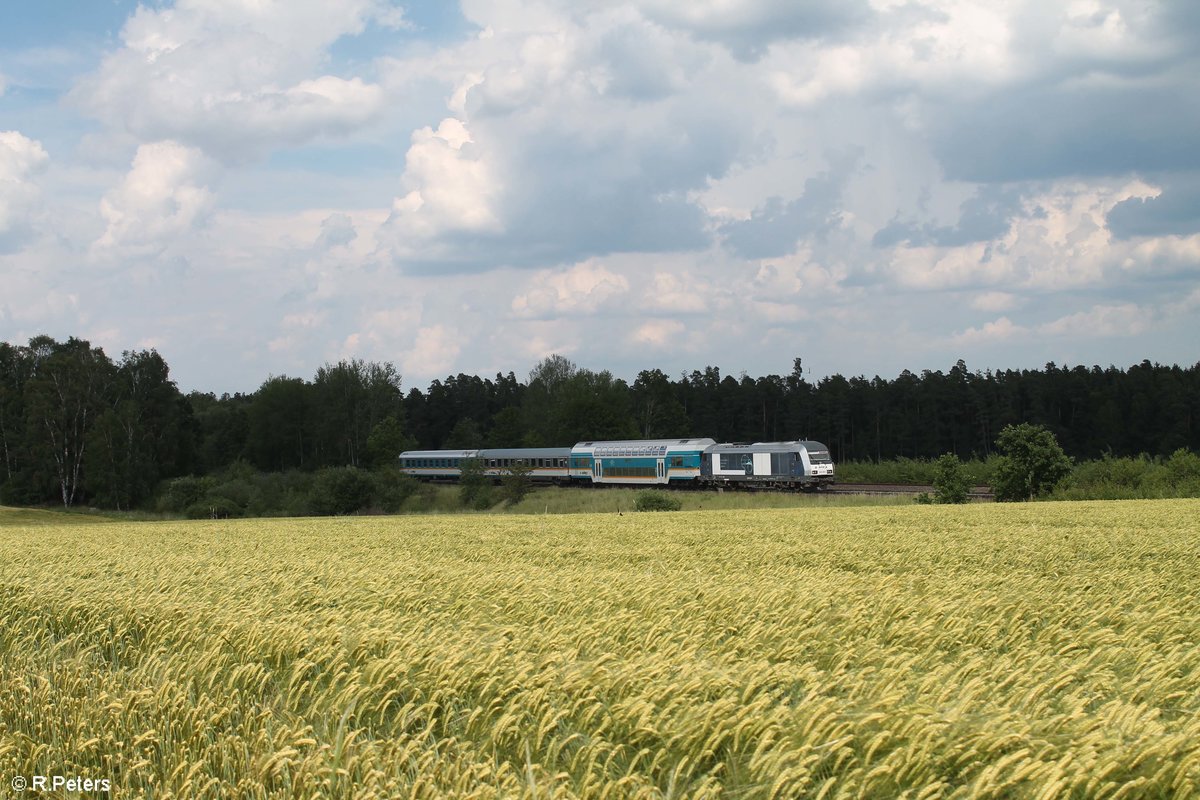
(993, 301)
(676, 293)
(433, 353)
(659, 334)
(1058, 241)
(994, 332)
(157, 202)
(573, 147)
(451, 187)
(21, 158)
(1189, 303)
(1126, 319)
(233, 78)
(581, 290)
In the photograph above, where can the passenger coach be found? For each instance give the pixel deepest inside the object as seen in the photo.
(639, 461)
(545, 463)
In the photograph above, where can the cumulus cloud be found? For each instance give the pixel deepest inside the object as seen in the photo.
(993, 301)
(21, 159)
(749, 27)
(996, 331)
(1099, 321)
(775, 228)
(659, 333)
(186, 73)
(1054, 116)
(1125, 319)
(451, 187)
(337, 230)
(561, 156)
(433, 352)
(1057, 239)
(984, 216)
(581, 290)
(159, 200)
(1172, 211)
(682, 293)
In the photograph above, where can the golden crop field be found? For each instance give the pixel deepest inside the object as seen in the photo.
(1045, 650)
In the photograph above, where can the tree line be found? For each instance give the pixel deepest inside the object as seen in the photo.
(79, 427)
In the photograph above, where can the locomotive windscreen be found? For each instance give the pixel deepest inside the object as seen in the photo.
(819, 456)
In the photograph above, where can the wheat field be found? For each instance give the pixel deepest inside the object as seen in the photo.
(990, 651)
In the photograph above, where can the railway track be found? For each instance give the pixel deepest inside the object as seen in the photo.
(980, 493)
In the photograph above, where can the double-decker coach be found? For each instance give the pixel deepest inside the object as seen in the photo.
(639, 461)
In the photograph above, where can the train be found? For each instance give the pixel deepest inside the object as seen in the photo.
(675, 463)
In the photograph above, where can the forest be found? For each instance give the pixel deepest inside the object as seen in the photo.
(78, 427)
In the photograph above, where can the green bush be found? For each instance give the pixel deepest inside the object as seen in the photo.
(912, 471)
(392, 488)
(950, 481)
(341, 490)
(213, 508)
(1032, 463)
(177, 494)
(474, 485)
(1183, 472)
(516, 484)
(239, 492)
(1141, 477)
(657, 501)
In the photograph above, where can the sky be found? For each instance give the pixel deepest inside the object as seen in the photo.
(259, 187)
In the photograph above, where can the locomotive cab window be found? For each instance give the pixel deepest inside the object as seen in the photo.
(734, 460)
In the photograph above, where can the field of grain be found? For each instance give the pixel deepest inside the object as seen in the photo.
(1044, 650)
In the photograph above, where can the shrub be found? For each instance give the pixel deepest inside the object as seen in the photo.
(341, 490)
(657, 501)
(392, 488)
(474, 486)
(237, 491)
(950, 481)
(1032, 463)
(213, 508)
(517, 483)
(178, 494)
(1183, 467)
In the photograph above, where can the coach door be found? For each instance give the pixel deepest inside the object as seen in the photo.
(661, 471)
(597, 469)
